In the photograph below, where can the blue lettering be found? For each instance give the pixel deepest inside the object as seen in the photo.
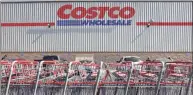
(104, 23)
(85, 22)
(114, 22)
(98, 22)
(128, 22)
(119, 22)
(92, 22)
(109, 22)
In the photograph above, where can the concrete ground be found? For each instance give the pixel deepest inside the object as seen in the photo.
(106, 57)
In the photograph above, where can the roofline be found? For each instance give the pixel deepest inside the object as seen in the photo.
(51, 1)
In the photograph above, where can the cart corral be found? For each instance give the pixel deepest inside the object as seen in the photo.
(64, 76)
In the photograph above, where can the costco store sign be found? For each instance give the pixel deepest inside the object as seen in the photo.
(80, 16)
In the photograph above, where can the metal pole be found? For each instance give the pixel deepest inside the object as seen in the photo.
(98, 79)
(38, 76)
(181, 89)
(10, 74)
(0, 51)
(189, 82)
(0, 75)
(128, 79)
(66, 80)
(159, 79)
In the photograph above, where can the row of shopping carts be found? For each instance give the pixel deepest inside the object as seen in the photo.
(74, 74)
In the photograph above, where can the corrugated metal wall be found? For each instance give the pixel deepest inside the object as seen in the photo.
(131, 38)
(85, 0)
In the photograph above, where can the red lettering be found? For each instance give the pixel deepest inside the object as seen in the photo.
(126, 16)
(61, 10)
(102, 11)
(92, 13)
(82, 11)
(111, 12)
